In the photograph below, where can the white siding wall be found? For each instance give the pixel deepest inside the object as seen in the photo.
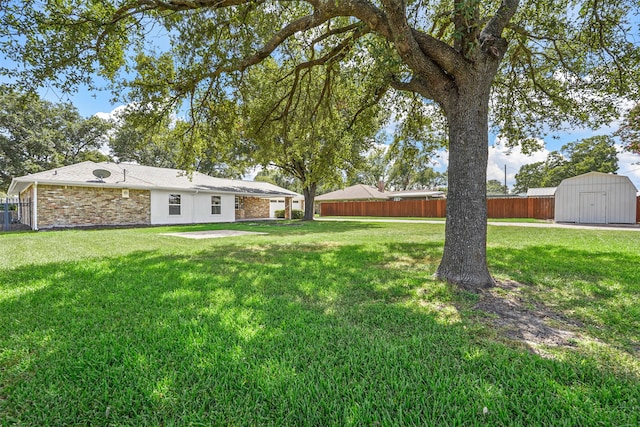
(596, 198)
(194, 208)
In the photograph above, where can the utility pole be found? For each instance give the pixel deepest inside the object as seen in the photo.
(505, 180)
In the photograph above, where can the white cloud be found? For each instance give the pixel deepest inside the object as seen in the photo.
(629, 165)
(441, 160)
(499, 156)
(112, 115)
(513, 158)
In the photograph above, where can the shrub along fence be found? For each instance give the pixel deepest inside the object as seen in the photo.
(509, 207)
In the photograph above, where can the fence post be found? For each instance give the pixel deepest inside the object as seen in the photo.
(6, 214)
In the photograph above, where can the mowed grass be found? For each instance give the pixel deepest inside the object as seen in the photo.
(335, 323)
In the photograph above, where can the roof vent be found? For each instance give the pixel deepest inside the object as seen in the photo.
(101, 174)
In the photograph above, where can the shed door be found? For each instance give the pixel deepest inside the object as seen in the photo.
(593, 208)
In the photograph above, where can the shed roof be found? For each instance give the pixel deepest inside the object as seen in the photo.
(127, 175)
(600, 176)
(355, 192)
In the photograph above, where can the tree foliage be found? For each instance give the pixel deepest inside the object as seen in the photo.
(629, 132)
(37, 135)
(495, 187)
(526, 67)
(157, 142)
(372, 169)
(277, 177)
(595, 154)
(146, 144)
(314, 134)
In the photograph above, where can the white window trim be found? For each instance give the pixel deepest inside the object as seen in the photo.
(218, 205)
(179, 205)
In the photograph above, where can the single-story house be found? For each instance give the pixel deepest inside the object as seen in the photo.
(112, 194)
(416, 195)
(361, 192)
(358, 192)
(596, 198)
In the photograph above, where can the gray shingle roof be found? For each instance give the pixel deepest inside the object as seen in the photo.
(126, 175)
(355, 192)
(417, 193)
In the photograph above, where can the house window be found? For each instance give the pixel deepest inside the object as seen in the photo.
(174, 204)
(239, 202)
(216, 205)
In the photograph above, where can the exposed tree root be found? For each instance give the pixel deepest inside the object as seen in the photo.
(524, 321)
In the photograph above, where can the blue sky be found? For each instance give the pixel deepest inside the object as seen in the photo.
(99, 102)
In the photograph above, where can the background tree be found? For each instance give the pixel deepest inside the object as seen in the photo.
(276, 177)
(595, 154)
(495, 187)
(37, 135)
(149, 144)
(530, 176)
(530, 65)
(158, 143)
(629, 132)
(323, 135)
(373, 168)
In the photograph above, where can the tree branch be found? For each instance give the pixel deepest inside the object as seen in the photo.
(416, 84)
(336, 31)
(499, 21)
(465, 18)
(404, 39)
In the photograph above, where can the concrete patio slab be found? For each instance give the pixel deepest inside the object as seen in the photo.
(210, 234)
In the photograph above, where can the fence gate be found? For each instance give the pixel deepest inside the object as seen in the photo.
(15, 214)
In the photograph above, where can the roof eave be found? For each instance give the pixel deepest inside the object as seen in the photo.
(16, 181)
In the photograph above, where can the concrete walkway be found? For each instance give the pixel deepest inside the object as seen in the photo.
(608, 227)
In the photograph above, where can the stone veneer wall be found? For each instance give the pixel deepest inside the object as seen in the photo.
(69, 206)
(254, 207)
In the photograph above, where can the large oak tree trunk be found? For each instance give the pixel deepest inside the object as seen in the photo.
(464, 261)
(309, 199)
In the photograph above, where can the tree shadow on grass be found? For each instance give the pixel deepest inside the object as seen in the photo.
(596, 290)
(311, 334)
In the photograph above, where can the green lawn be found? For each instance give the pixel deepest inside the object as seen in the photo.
(327, 323)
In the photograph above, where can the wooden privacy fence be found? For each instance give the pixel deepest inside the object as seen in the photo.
(511, 207)
(519, 207)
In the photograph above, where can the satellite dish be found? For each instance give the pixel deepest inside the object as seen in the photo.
(101, 174)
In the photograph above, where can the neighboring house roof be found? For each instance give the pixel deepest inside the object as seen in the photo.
(541, 192)
(132, 176)
(417, 194)
(355, 192)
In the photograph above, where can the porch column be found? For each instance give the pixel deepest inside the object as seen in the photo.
(34, 226)
(287, 207)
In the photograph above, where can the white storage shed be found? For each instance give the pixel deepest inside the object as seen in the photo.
(596, 198)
